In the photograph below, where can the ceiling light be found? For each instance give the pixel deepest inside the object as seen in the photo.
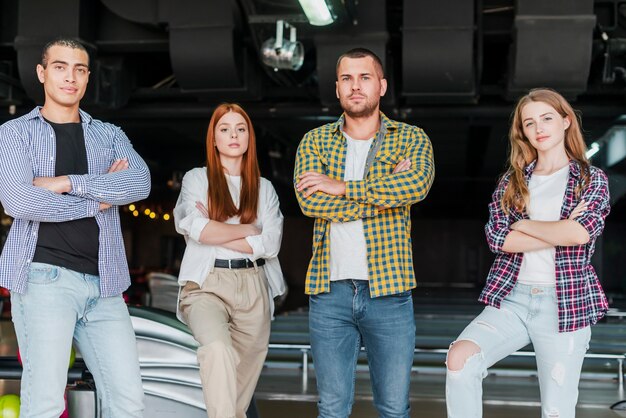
(317, 12)
(283, 54)
(593, 150)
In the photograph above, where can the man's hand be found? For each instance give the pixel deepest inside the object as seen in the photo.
(103, 206)
(403, 165)
(60, 184)
(118, 165)
(311, 182)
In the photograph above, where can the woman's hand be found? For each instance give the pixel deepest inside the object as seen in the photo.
(578, 210)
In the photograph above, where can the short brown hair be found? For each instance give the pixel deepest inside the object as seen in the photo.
(362, 53)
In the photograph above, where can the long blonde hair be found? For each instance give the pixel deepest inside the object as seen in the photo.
(522, 153)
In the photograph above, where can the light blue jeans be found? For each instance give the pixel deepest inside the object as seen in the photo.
(339, 322)
(527, 315)
(60, 305)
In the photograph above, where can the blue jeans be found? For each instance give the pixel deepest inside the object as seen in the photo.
(339, 321)
(60, 305)
(528, 314)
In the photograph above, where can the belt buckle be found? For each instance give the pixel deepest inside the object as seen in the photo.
(229, 265)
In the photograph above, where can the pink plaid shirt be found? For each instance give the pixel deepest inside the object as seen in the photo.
(581, 300)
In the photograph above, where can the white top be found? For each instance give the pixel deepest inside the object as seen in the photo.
(546, 200)
(348, 251)
(199, 259)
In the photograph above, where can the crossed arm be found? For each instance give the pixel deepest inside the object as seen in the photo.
(585, 222)
(47, 199)
(321, 196)
(192, 219)
(527, 235)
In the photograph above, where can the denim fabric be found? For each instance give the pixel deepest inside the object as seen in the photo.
(60, 305)
(527, 315)
(342, 320)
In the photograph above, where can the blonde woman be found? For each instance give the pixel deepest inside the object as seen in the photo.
(546, 214)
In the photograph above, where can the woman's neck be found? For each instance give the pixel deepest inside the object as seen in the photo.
(548, 163)
(232, 166)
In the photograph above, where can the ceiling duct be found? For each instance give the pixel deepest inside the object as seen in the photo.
(552, 46)
(206, 53)
(438, 51)
(39, 21)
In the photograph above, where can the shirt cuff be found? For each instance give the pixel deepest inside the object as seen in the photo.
(93, 207)
(79, 185)
(356, 190)
(256, 242)
(369, 211)
(197, 225)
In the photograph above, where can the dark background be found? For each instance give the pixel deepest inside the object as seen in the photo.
(455, 68)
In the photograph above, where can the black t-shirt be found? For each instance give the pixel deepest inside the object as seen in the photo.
(72, 244)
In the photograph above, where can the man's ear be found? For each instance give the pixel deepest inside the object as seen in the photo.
(383, 86)
(337, 89)
(40, 73)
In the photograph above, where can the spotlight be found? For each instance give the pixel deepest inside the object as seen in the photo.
(593, 150)
(283, 54)
(317, 12)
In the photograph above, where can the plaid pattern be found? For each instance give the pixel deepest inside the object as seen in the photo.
(387, 232)
(581, 300)
(27, 150)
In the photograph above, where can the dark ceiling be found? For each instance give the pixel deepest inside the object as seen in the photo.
(455, 68)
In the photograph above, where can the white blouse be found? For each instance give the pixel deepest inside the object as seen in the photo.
(199, 259)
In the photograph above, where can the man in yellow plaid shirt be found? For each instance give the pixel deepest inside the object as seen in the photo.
(358, 178)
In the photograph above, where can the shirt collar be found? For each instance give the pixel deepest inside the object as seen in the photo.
(36, 113)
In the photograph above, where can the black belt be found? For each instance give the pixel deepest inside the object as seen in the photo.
(238, 263)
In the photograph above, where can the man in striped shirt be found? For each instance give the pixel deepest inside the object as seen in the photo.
(63, 175)
(358, 178)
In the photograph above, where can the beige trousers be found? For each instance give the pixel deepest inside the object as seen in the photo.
(230, 317)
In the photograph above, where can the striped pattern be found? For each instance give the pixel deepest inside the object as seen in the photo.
(387, 232)
(27, 150)
(581, 300)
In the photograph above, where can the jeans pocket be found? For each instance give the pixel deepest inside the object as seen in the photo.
(43, 275)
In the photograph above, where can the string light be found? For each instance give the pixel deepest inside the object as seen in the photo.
(147, 212)
(131, 208)
(135, 213)
(166, 217)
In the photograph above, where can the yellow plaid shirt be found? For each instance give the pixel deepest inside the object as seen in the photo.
(387, 231)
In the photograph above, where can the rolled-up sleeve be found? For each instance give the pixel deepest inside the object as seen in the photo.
(596, 194)
(188, 220)
(267, 244)
(498, 226)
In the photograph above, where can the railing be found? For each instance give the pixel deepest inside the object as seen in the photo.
(306, 348)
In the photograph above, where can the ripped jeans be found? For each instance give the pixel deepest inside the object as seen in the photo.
(527, 315)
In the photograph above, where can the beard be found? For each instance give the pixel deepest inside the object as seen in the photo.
(359, 110)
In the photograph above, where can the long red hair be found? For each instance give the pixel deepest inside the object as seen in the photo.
(221, 205)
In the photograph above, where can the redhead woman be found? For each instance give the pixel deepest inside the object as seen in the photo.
(229, 275)
(546, 214)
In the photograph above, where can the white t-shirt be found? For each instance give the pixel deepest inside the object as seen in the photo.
(546, 199)
(348, 252)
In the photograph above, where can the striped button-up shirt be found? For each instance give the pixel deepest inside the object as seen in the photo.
(387, 231)
(27, 150)
(580, 298)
